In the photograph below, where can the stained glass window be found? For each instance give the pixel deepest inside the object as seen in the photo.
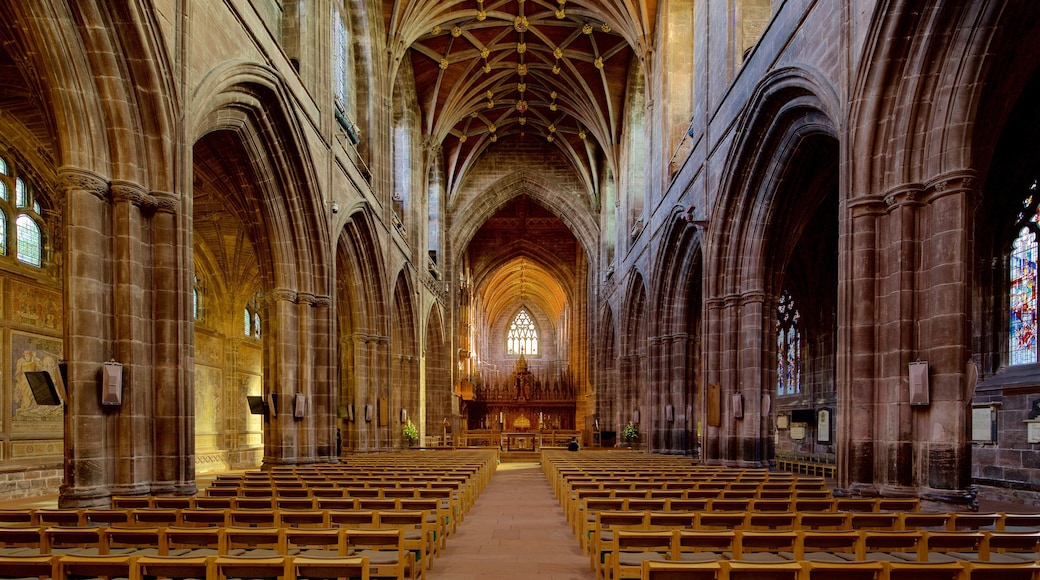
(788, 347)
(523, 336)
(1022, 291)
(30, 249)
(3, 232)
(251, 317)
(248, 316)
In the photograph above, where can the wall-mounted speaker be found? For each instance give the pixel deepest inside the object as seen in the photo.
(919, 383)
(112, 383)
(274, 404)
(299, 405)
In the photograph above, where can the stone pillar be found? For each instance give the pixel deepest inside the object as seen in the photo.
(324, 392)
(854, 436)
(711, 437)
(281, 378)
(88, 457)
(750, 441)
(308, 352)
(131, 259)
(941, 446)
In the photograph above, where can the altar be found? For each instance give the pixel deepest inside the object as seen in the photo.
(518, 441)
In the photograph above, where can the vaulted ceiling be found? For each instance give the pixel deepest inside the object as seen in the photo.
(544, 71)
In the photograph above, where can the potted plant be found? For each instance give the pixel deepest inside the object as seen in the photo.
(411, 433)
(630, 434)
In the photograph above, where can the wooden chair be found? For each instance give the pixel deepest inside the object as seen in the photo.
(1010, 547)
(106, 517)
(20, 540)
(254, 542)
(131, 540)
(898, 504)
(1020, 522)
(59, 517)
(62, 539)
(923, 521)
(721, 520)
(295, 503)
(172, 502)
(765, 545)
(384, 548)
(602, 536)
(347, 568)
(192, 541)
(654, 570)
(252, 518)
(18, 517)
(173, 567)
(944, 546)
(631, 547)
(827, 545)
(303, 519)
(770, 520)
(1005, 571)
(131, 502)
(202, 517)
(231, 566)
(336, 503)
(670, 520)
(28, 565)
(418, 534)
(874, 520)
(823, 521)
(93, 566)
(313, 542)
(213, 503)
(704, 545)
(890, 546)
(974, 521)
(353, 518)
(923, 571)
(842, 570)
(745, 570)
(149, 517)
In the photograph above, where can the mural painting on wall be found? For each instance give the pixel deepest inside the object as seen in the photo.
(35, 306)
(207, 399)
(31, 352)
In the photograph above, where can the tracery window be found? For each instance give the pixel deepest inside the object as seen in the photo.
(523, 336)
(26, 213)
(340, 56)
(1022, 292)
(251, 317)
(788, 347)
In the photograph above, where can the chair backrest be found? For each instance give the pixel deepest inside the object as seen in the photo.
(21, 536)
(61, 538)
(830, 541)
(973, 521)
(769, 520)
(755, 541)
(303, 518)
(172, 502)
(671, 520)
(154, 517)
(911, 520)
(116, 537)
(826, 520)
(252, 538)
(252, 517)
(332, 540)
(1014, 542)
(874, 520)
(203, 517)
(353, 518)
(820, 570)
(59, 517)
(712, 520)
(700, 541)
(346, 567)
(106, 517)
(658, 570)
(174, 567)
(888, 541)
(177, 537)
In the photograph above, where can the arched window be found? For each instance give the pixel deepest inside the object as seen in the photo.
(251, 317)
(788, 347)
(340, 58)
(30, 241)
(523, 336)
(1023, 284)
(27, 213)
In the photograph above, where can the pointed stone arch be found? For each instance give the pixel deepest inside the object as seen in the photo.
(403, 391)
(633, 350)
(675, 335)
(362, 325)
(789, 117)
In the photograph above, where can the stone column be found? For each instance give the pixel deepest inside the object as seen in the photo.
(854, 432)
(750, 442)
(281, 376)
(324, 391)
(174, 332)
(308, 352)
(131, 259)
(711, 438)
(89, 462)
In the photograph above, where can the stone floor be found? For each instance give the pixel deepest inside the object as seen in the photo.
(516, 529)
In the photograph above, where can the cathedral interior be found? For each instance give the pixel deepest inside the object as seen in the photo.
(283, 232)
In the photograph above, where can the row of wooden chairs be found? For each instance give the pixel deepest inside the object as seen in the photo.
(809, 570)
(622, 556)
(581, 509)
(392, 548)
(135, 567)
(600, 528)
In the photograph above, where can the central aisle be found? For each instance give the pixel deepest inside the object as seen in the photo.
(516, 529)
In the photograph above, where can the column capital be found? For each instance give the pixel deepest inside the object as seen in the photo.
(76, 179)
